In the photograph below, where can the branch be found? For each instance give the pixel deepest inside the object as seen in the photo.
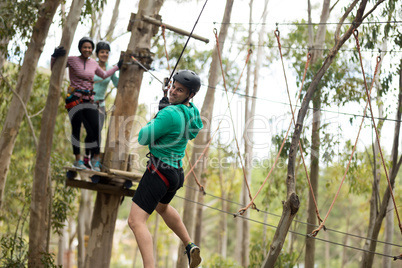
(371, 10)
(338, 27)
(39, 112)
(333, 6)
(24, 107)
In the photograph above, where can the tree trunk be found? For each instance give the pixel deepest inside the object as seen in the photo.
(41, 193)
(113, 21)
(291, 205)
(83, 224)
(119, 135)
(368, 258)
(201, 139)
(375, 193)
(155, 238)
(223, 220)
(389, 235)
(23, 88)
(243, 225)
(199, 212)
(3, 43)
(317, 55)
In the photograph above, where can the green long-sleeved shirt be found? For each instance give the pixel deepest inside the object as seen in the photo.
(168, 133)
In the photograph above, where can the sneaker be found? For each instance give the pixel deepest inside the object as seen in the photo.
(193, 254)
(96, 165)
(79, 164)
(86, 162)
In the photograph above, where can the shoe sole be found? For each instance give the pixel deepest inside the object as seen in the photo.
(82, 168)
(195, 258)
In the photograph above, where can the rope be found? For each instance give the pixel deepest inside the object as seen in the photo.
(216, 131)
(315, 232)
(163, 26)
(230, 112)
(277, 35)
(188, 39)
(355, 34)
(241, 211)
(293, 232)
(305, 223)
(201, 187)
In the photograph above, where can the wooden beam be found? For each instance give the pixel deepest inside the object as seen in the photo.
(111, 173)
(173, 28)
(100, 187)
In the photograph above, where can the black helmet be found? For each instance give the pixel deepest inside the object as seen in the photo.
(83, 40)
(189, 79)
(102, 45)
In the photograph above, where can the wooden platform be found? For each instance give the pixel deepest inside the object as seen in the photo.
(112, 182)
(100, 187)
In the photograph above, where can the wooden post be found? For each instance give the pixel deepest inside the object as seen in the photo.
(119, 135)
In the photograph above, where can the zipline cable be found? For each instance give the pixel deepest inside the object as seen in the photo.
(227, 108)
(315, 232)
(230, 113)
(242, 210)
(188, 39)
(294, 232)
(277, 35)
(356, 33)
(298, 221)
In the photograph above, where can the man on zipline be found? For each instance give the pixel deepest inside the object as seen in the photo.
(166, 136)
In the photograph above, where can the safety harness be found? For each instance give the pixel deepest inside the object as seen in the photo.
(80, 93)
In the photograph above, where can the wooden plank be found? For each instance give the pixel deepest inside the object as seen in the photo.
(100, 187)
(134, 176)
(113, 174)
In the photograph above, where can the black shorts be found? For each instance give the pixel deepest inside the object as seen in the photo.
(153, 190)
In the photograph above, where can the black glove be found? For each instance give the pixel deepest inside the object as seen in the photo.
(119, 64)
(59, 52)
(164, 102)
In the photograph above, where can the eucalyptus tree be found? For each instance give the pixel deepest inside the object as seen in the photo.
(23, 88)
(386, 36)
(292, 203)
(202, 139)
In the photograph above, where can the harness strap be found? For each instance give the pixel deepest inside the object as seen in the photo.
(73, 104)
(165, 180)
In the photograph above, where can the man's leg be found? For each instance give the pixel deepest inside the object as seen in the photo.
(137, 221)
(173, 221)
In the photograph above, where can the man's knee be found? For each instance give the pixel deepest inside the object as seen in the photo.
(161, 208)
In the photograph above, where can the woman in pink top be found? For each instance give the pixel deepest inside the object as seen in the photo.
(80, 99)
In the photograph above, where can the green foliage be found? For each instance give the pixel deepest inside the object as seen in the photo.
(14, 251)
(256, 256)
(286, 260)
(19, 180)
(16, 19)
(63, 197)
(217, 261)
(47, 260)
(91, 6)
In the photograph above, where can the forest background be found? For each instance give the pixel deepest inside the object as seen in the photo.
(340, 119)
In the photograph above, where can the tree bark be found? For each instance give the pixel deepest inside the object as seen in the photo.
(317, 55)
(243, 225)
(83, 224)
(120, 132)
(368, 258)
(23, 88)
(202, 137)
(291, 205)
(222, 245)
(113, 21)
